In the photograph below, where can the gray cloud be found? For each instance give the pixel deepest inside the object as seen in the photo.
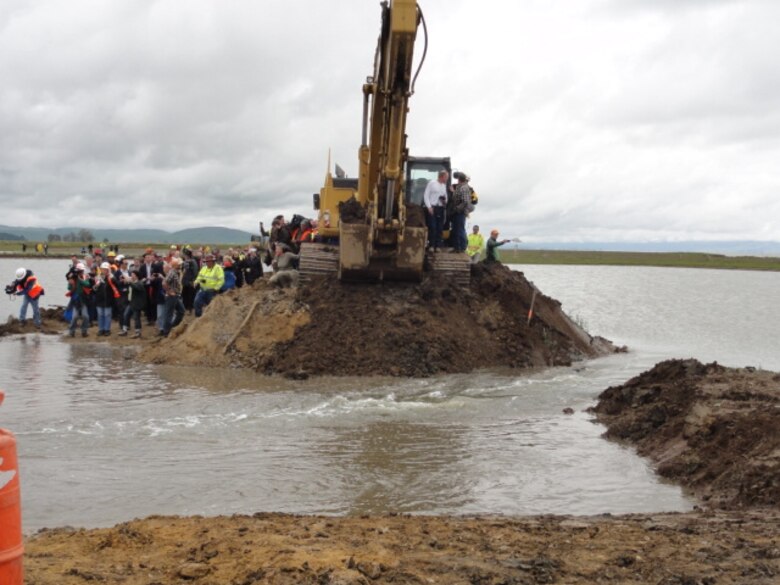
(591, 120)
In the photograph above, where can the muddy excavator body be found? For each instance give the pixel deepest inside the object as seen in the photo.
(374, 225)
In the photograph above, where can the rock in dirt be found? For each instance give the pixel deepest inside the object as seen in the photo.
(326, 327)
(713, 429)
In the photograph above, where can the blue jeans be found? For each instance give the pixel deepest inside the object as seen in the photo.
(79, 310)
(161, 316)
(202, 299)
(174, 312)
(435, 226)
(104, 318)
(131, 313)
(459, 232)
(35, 311)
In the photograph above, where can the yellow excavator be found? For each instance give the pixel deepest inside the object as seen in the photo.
(373, 227)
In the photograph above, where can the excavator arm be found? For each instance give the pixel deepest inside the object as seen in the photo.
(383, 244)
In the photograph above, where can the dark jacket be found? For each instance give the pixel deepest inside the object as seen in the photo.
(253, 269)
(137, 294)
(189, 271)
(106, 292)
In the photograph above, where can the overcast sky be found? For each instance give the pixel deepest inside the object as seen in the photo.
(577, 120)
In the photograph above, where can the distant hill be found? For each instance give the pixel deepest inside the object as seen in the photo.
(201, 235)
(6, 236)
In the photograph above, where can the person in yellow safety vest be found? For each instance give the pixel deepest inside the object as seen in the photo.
(476, 244)
(210, 279)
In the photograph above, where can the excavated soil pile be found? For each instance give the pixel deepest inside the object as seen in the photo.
(693, 549)
(350, 211)
(52, 323)
(326, 327)
(715, 430)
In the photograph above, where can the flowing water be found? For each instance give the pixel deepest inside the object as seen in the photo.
(103, 438)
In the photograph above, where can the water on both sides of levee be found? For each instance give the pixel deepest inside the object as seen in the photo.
(103, 438)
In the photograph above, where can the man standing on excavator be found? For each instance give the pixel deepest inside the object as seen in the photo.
(435, 201)
(461, 204)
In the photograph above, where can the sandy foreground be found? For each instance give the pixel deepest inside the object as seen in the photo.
(684, 549)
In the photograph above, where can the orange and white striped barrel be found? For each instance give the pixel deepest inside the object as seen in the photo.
(11, 546)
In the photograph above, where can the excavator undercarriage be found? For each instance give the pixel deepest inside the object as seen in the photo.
(323, 260)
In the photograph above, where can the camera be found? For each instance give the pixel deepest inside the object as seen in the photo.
(10, 289)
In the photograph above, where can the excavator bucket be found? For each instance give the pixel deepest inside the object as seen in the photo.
(354, 250)
(358, 262)
(411, 251)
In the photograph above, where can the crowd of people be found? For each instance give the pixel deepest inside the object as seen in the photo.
(157, 288)
(162, 288)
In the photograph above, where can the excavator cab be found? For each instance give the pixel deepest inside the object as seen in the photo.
(420, 170)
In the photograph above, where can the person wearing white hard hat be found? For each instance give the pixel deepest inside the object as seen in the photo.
(106, 293)
(27, 286)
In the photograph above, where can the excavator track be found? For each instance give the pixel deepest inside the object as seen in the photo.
(318, 260)
(323, 260)
(455, 267)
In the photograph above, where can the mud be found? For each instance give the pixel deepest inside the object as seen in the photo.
(415, 216)
(665, 549)
(326, 327)
(713, 429)
(351, 211)
(52, 323)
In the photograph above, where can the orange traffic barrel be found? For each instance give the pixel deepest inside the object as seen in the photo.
(11, 547)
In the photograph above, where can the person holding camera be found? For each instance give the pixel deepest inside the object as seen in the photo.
(106, 294)
(435, 201)
(136, 304)
(26, 286)
(151, 273)
(79, 288)
(174, 306)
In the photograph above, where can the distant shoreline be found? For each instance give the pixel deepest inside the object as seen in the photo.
(655, 259)
(533, 257)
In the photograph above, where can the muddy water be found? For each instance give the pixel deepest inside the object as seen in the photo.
(103, 439)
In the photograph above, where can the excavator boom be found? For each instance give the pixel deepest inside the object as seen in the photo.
(382, 245)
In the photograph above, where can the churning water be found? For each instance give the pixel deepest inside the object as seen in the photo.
(103, 438)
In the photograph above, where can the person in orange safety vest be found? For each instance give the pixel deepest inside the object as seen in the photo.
(27, 286)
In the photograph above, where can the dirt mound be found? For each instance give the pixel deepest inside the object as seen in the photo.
(664, 549)
(52, 323)
(713, 429)
(327, 327)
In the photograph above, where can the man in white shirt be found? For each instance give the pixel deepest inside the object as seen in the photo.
(435, 201)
